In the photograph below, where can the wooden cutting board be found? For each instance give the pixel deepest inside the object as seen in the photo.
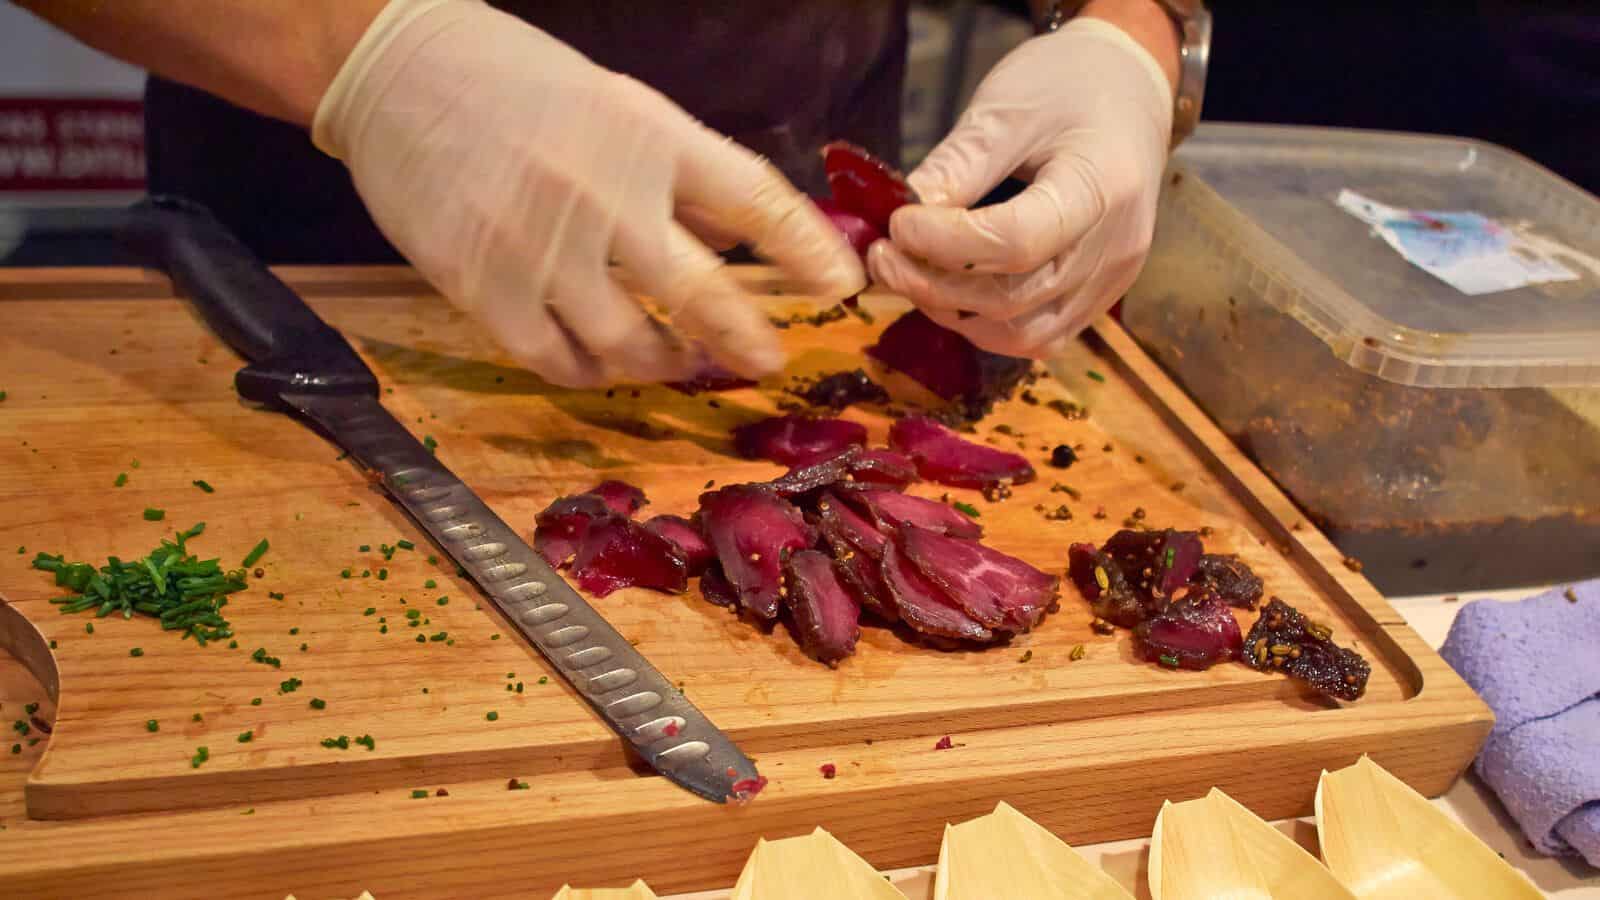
(106, 374)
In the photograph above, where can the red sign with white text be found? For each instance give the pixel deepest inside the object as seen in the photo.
(71, 144)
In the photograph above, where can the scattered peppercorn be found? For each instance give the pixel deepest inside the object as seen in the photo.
(1026, 656)
(1077, 653)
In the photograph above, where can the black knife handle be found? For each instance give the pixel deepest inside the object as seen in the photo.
(288, 346)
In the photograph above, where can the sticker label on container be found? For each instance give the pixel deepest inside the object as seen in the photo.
(1468, 251)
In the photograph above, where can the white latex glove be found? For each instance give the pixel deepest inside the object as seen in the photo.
(510, 170)
(1085, 114)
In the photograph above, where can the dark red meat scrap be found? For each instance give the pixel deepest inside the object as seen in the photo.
(890, 510)
(715, 588)
(687, 537)
(943, 456)
(621, 498)
(825, 614)
(712, 378)
(1229, 578)
(857, 230)
(562, 524)
(923, 606)
(814, 476)
(618, 553)
(1156, 563)
(795, 440)
(863, 185)
(882, 466)
(1100, 580)
(841, 521)
(1196, 632)
(1001, 592)
(753, 531)
(838, 390)
(857, 547)
(1284, 639)
(948, 364)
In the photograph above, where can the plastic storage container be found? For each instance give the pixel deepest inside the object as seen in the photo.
(1446, 440)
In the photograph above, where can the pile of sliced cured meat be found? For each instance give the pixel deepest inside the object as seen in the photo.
(832, 541)
(1178, 600)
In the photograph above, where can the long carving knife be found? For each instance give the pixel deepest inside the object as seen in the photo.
(300, 365)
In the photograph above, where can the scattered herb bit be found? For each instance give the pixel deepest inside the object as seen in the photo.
(369, 611)
(294, 631)
(405, 545)
(443, 601)
(255, 701)
(519, 687)
(966, 509)
(1095, 375)
(495, 636)
(413, 614)
(196, 718)
(383, 574)
(318, 703)
(491, 715)
(204, 486)
(1026, 656)
(122, 479)
(418, 794)
(260, 656)
(1168, 660)
(276, 595)
(429, 444)
(136, 651)
(201, 754)
(52, 644)
(383, 629)
(433, 560)
(151, 514)
(543, 679)
(421, 639)
(247, 736)
(20, 727)
(1077, 653)
(2, 396)
(430, 584)
(16, 748)
(344, 573)
(152, 726)
(341, 742)
(290, 686)
(249, 812)
(31, 708)
(366, 741)
(88, 628)
(438, 636)
(515, 785)
(1571, 595)
(365, 548)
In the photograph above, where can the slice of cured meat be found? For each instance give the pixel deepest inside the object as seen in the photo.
(814, 476)
(948, 364)
(686, 536)
(1229, 578)
(840, 521)
(825, 614)
(796, 440)
(1001, 592)
(857, 546)
(890, 510)
(1100, 580)
(1156, 563)
(1195, 632)
(753, 531)
(882, 466)
(715, 588)
(943, 456)
(621, 497)
(562, 524)
(923, 606)
(864, 185)
(837, 390)
(858, 231)
(618, 553)
(1284, 639)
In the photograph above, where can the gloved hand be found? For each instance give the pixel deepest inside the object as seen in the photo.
(1085, 114)
(523, 181)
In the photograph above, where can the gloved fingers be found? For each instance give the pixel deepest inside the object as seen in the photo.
(992, 296)
(705, 226)
(542, 344)
(1047, 328)
(613, 328)
(977, 154)
(692, 287)
(750, 198)
(1065, 200)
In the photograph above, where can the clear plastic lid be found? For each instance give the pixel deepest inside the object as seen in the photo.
(1271, 193)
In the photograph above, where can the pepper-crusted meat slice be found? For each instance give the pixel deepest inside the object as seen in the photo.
(616, 553)
(1229, 578)
(923, 605)
(686, 535)
(562, 525)
(943, 456)
(1100, 580)
(1283, 638)
(753, 531)
(880, 465)
(999, 591)
(796, 440)
(1156, 563)
(1195, 632)
(890, 510)
(857, 546)
(825, 614)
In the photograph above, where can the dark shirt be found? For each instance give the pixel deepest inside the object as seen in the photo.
(780, 78)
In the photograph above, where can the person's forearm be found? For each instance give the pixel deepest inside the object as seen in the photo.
(276, 57)
(1144, 20)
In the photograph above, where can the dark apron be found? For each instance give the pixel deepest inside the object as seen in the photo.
(780, 78)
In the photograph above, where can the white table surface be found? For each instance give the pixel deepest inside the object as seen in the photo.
(1470, 802)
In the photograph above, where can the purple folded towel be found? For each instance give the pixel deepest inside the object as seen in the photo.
(1537, 664)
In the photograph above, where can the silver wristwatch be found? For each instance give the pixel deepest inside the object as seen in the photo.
(1194, 24)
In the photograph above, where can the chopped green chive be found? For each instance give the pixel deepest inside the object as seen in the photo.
(966, 509)
(233, 645)
(383, 574)
(1171, 552)
(294, 631)
(151, 514)
(31, 708)
(88, 628)
(439, 636)
(344, 573)
(16, 748)
(369, 611)
(430, 584)
(318, 703)
(246, 736)
(383, 629)
(543, 679)
(515, 785)
(122, 479)
(304, 647)
(341, 742)
(491, 715)
(276, 595)
(365, 548)
(260, 656)
(366, 741)
(1095, 375)
(136, 651)
(290, 686)
(519, 687)
(405, 545)
(201, 754)
(203, 485)
(255, 701)
(443, 601)
(495, 636)
(429, 444)
(197, 718)
(418, 795)
(152, 726)
(421, 639)
(413, 613)
(255, 554)
(433, 560)
(1169, 660)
